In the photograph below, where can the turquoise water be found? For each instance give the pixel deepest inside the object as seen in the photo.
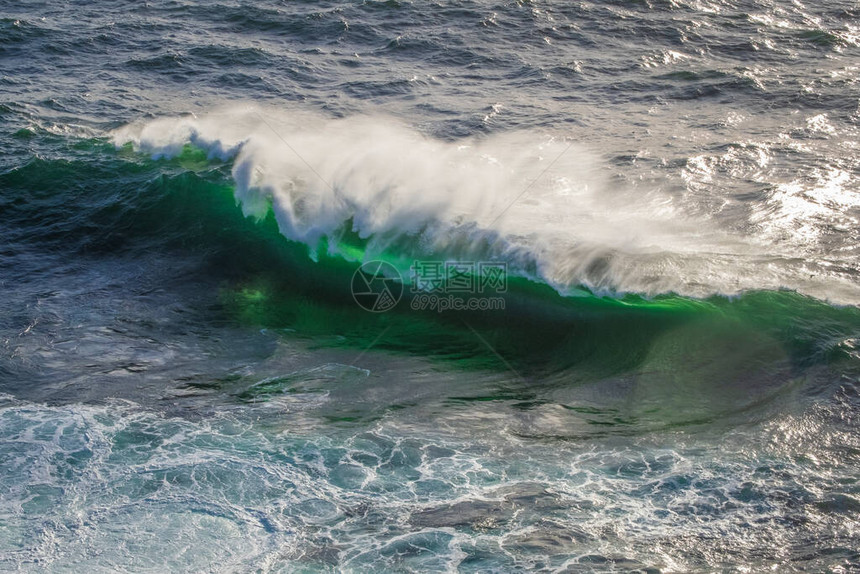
(187, 382)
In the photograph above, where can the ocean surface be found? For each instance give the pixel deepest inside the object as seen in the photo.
(188, 383)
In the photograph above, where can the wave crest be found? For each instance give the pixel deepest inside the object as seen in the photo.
(536, 200)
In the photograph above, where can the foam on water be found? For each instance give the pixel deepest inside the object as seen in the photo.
(122, 487)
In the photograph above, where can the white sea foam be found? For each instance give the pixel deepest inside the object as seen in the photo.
(118, 487)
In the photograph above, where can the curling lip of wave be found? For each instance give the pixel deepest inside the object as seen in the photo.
(528, 198)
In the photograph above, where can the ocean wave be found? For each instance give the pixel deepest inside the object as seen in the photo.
(533, 199)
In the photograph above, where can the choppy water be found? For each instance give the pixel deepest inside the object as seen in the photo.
(186, 383)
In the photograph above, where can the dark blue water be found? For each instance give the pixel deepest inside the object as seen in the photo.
(187, 384)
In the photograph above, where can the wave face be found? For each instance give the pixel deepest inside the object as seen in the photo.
(541, 203)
